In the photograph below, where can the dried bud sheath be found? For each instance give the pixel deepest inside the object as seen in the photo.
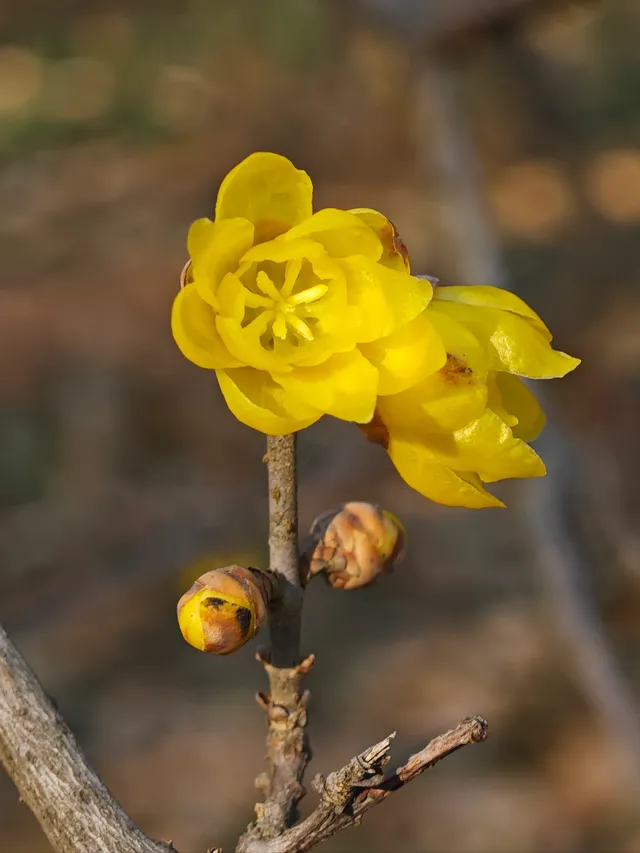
(225, 607)
(354, 544)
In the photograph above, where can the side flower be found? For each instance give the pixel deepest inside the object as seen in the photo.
(300, 314)
(468, 424)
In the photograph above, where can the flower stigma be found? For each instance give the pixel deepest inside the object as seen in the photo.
(274, 308)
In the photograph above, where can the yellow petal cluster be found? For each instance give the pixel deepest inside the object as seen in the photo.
(468, 423)
(305, 314)
(300, 314)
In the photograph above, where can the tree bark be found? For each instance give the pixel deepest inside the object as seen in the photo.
(74, 808)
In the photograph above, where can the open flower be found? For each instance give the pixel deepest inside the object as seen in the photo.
(304, 314)
(468, 423)
(300, 314)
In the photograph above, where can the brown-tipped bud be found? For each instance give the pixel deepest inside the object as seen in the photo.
(224, 608)
(354, 544)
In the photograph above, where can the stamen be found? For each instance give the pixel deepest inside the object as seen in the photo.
(312, 294)
(292, 271)
(299, 326)
(259, 324)
(254, 300)
(267, 286)
(280, 326)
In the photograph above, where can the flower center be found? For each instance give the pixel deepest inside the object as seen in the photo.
(277, 307)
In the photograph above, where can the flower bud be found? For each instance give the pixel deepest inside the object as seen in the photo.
(354, 544)
(224, 608)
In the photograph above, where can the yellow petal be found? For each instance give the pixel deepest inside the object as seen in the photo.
(425, 473)
(244, 342)
(394, 251)
(518, 400)
(343, 386)
(486, 447)
(440, 403)
(269, 191)
(194, 328)
(257, 401)
(231, 297)
(513, 343)
(452, 397)
(459, 341)
(407, 355)
(385, 299)
(492, 297)
(215, 249)
(494, 398)
(282, 251)
(200, 236)
(340, 232)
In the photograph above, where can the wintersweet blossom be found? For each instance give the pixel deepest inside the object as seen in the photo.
(468, 423)
(303, 314)
(300, 314)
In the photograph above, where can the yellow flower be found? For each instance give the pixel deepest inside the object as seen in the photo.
(468, 423)
(300, 314)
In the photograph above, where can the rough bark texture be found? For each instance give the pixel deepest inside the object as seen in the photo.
(74, 808)
(350, 792)
(285, 618)
(288, 750)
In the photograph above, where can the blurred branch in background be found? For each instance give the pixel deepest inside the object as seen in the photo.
(552, 512)
(448, 161)
(450, 156)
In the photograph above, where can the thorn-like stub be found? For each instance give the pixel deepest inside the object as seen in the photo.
(305, 699)
(263, 700)
(263, 655)
(306, 665)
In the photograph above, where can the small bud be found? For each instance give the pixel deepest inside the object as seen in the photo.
(224, 608)
(354, 544)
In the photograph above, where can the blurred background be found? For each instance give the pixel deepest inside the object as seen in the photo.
(503, 139)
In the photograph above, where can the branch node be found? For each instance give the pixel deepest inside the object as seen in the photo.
(479, 732)
(347, 794)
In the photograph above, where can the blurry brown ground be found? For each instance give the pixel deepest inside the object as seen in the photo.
(121, 471)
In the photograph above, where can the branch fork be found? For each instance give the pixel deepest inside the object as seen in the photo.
(77, 812)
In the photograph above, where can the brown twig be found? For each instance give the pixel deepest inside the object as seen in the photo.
(285, 621)
(350, 792)
(40, 754)
(287, 747)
